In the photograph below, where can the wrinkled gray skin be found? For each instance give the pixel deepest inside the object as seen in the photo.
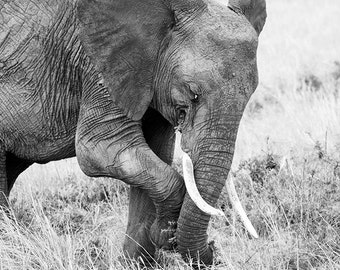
(108, 81)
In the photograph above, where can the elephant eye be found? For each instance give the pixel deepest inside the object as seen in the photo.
(195, 99)
(193, 89)
(181, 113)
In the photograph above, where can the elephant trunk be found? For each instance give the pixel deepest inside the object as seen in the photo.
(212, 161)
(193, 223)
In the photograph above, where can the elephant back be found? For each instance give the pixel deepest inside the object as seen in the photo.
(25, 26)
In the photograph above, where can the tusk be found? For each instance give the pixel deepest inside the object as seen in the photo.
(190, 184)
(235, 202)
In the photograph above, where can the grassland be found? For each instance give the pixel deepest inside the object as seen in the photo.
(286, 169)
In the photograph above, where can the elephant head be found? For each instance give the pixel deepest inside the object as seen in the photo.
(195, 62)
(211, 59)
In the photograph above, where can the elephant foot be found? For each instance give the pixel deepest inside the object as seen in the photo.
(141, 246)
(162, 234)
(148, 232)
(137, 245)
(138, 248)
(139, 262)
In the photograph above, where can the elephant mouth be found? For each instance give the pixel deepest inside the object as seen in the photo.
(190, 184)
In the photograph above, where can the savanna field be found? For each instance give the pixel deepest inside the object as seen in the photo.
(286, 170)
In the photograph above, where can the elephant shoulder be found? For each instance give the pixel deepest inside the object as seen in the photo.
(24, 25)
(28, 32)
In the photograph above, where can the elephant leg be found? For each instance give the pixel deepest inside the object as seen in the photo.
(10, 168)
(4, 192)
(142, 213)
(108, 143)
(14, 167)
(159, 135)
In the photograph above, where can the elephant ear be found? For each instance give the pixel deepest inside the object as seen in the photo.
(254, 10)
(122, 38)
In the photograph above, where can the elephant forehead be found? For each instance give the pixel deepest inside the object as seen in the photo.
(218, 35)
(193, 62)
(216, 61)
(225, 25)
(224, 3)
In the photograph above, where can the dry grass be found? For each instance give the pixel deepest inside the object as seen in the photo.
(289, 182)
(294, 205)
(296, 103)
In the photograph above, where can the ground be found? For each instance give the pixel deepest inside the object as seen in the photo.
(286, 170)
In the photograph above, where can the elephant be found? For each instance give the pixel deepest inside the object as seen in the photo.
(110, 81)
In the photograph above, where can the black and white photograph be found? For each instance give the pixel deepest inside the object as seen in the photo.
(169, 134)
